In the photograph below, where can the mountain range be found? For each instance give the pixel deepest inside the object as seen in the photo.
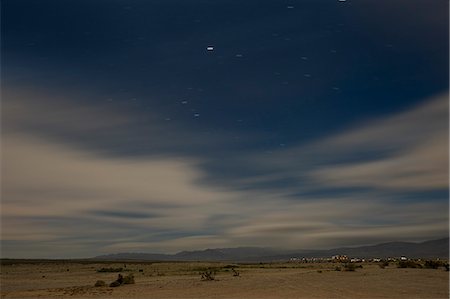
(429, 249)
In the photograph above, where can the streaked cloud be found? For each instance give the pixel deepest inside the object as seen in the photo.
(410, 151)
(68, 198)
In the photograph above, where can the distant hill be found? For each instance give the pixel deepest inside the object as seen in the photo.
(429, 249)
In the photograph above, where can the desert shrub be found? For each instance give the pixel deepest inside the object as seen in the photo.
(100, 283)
(208, 275)
(114, 284)
(433, 264)
(118, 281)
(229, 266)
(319, 271)
(383, 264)
(141, 270)
(129, 279)
(235, 273)
(446, 265)
(349, 267)
(110, 270)
(408, 264)
(337, 268)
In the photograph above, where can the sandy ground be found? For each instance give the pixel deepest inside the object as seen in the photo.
(182, 280)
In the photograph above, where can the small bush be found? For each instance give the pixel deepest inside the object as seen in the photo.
(100, 283)
(229, 266)
(337, 268)
(408, 264)
(383, 264)
(114, 284)
(208, 275)
(110, 270)
(129, 279)
(433, 264)
(446, 265)
(235, 273)
(141, 270)
(350, 267)
(319, 271)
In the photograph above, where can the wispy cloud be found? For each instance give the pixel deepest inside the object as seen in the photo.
(408, 151)
(62, 197)
(405, 151)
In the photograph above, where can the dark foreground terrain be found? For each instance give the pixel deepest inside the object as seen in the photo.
(50, 279)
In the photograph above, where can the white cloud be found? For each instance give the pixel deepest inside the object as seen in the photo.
(413, 147)
(62, 199)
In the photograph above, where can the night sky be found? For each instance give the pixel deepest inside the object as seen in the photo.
(310, 124)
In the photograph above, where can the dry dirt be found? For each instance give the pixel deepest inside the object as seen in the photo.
(183, 280)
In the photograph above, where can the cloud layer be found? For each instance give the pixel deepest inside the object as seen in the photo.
(66, 195)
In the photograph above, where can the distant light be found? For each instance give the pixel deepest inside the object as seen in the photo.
(290, 7)
(342, 0)
(196, 115)
(184, 102)
(239, 55)
(210, 48)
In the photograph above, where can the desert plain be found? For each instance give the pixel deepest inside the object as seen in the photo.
(76, 279)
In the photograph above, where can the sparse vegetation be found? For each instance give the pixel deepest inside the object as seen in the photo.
(235, 273)
(351, 267)
(383, 264)
(433, 264)
(180, 277)
(208, 275)
(110, 270)
(114, 284)
(408, 264)
(100, 283)
(129, 279)
(229, 266)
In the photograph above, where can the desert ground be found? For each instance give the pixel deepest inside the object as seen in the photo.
(71, 279)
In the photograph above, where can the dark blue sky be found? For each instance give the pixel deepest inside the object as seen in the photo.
(300, 102)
